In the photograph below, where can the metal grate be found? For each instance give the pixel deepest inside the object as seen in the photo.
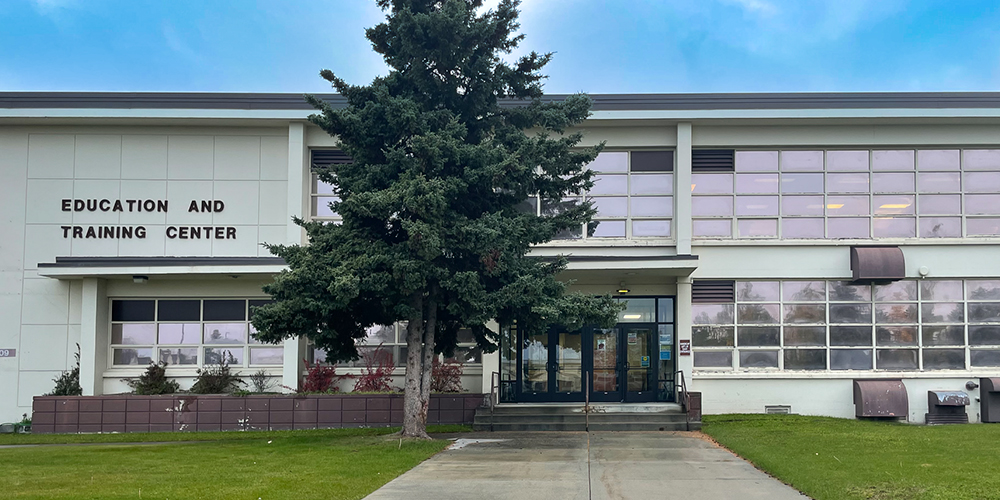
(777, 409)
(325, 157)
(713, 160)
(713, 292)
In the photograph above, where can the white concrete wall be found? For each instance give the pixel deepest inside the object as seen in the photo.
(818, 395)
(40, 317)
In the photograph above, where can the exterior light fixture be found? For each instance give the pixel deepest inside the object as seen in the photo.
(631, 316)
(140, 279)
(622, 288)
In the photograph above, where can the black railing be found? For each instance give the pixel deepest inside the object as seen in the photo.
(683, 398)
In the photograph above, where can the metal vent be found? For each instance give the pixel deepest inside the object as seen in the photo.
(777, 409)
(322, 158)
(713, 292)
(712, 160)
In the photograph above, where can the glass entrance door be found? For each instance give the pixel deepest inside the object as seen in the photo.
(638, 370)
(552, 366)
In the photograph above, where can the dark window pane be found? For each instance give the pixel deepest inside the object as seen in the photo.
(758, 359)
(138, 357)
(758, 335)
(758, 313)
(895, 335)
(851, 313)
(944, 359)
(179, 356)
(942, 312)
(984, 335)
(984, 358)
(225, 310)
(803, 291)
(712, 336)
(215, 356)
(179, 310)
(945, 335)
(896, 359)
(851, 335)
(805, 335)
(984, 312)
(805, 313)
(132, 310)
(895, 313)
(652, 161)
(842, 290)
(258, 303)
(665, 310)
(713, 359)
(850, 359)
(805, 359)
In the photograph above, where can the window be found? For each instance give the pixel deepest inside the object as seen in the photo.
(188, 332)
(835, 325)
(850, 194)
(391, 341)
(632, 193)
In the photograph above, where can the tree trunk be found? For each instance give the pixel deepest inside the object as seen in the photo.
(413, 424)
(428, 355)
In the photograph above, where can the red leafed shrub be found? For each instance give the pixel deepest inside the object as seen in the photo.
(320, 378)
(446, 377)
(376, 376)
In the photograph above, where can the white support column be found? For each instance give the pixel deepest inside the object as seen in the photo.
(491, 362)
(682, 181)
(683, 326)
(299, 177)
(299, 189)
(94, 336)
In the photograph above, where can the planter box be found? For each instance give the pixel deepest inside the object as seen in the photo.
(218, 412)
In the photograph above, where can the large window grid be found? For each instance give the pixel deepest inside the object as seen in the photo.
(840, 194)
(320, 197)
(187, 333)
(633, 195)
(790, 325)
(390, 341)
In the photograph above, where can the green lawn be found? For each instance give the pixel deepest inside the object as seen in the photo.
(335, 464)
(829, 458)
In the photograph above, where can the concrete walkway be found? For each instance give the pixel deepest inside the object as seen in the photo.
(578, 465)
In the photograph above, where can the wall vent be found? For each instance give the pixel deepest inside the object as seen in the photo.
(713, 292)
(777, 409)
(322, 158)
(713, 160)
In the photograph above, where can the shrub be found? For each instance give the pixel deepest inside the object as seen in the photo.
(153, 381)
(376, 376)
(260, 381)
(320, 378)
(68, 383)
(446, 377)
(217, 379)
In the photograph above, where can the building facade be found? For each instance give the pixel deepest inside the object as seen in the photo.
(132, 226)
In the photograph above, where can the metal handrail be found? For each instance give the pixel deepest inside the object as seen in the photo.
(494, 394)
(684, 397)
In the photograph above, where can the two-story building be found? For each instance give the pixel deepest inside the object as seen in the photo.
(771, 247)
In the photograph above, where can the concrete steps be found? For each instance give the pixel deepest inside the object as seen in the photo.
(572, 417)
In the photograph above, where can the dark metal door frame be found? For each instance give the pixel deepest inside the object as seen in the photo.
(552, 368)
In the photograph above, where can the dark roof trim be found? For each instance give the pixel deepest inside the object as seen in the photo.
(602, 102)
(70, 262)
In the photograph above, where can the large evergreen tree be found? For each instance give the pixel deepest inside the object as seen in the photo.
(447, 148)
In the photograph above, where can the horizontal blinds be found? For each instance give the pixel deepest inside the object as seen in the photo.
(325, 157)
(712, 160)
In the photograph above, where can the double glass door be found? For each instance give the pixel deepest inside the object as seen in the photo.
(624, 363)
(552, 366)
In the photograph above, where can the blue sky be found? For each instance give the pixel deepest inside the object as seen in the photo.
(600, 46)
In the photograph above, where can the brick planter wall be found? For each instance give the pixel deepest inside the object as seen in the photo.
(130, 413)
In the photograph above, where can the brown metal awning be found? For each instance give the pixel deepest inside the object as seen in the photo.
(880, 398)
(877, 264)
